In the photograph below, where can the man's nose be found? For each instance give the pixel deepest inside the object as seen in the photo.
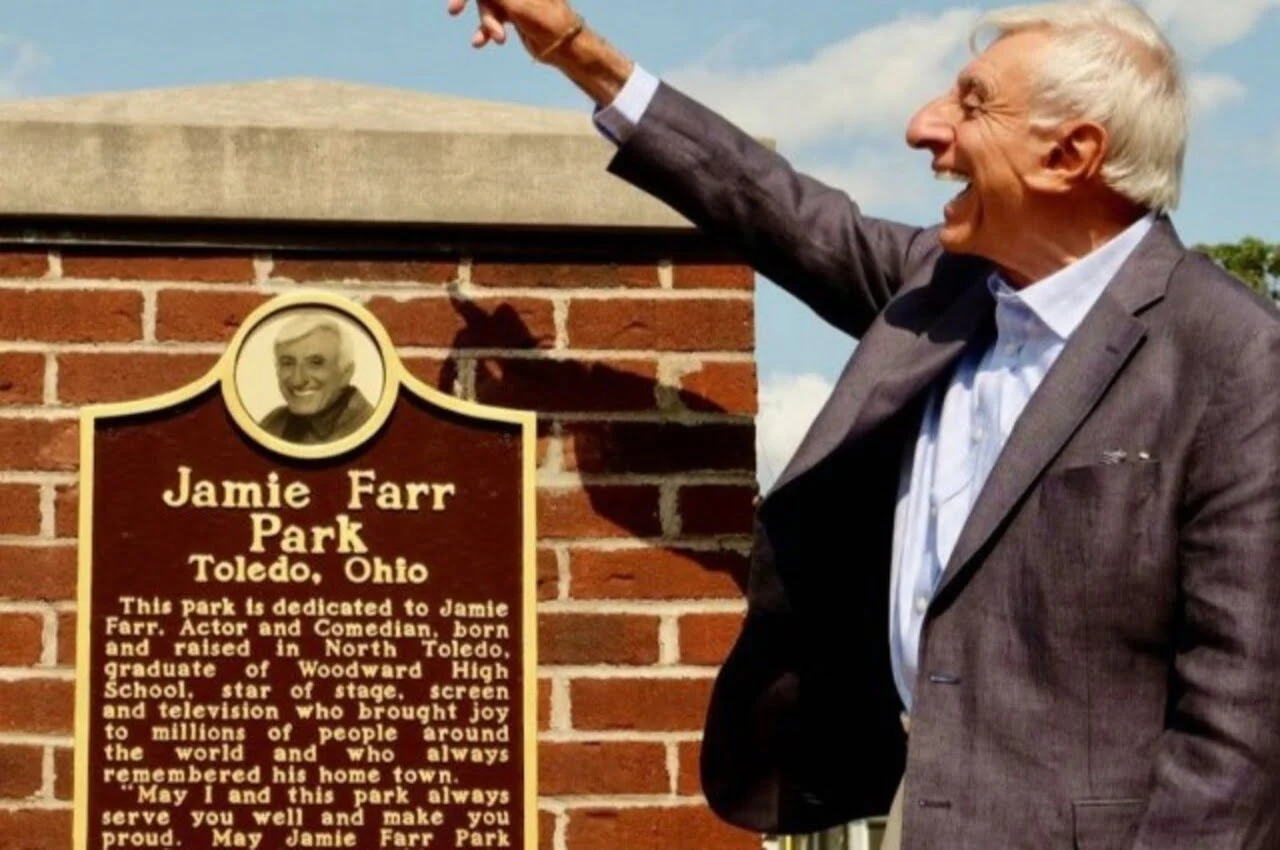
(297, 376)
(932, 126)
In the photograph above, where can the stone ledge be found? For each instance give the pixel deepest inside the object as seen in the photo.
(307, 150)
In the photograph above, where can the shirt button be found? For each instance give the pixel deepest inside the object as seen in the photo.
(978, 434)
(922, 605)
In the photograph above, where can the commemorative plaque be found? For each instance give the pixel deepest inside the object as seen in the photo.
(306, 604)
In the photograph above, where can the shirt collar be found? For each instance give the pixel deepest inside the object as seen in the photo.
(1061, 300)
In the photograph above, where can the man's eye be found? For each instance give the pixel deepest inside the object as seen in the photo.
(315, 361)
(286, 362)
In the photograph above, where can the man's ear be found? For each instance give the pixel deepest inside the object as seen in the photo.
(1074, 157)
(348, 371)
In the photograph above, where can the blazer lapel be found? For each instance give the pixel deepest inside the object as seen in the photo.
(894, 362)
(1088, 365)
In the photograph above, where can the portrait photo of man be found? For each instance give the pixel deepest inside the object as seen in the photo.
(314, 362)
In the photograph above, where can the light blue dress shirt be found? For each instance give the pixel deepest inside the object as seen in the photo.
(966, 421)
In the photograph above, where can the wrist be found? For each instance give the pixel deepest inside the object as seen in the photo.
(594, 65)
(541, 37)
(546, 52)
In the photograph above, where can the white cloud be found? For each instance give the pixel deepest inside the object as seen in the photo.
(1199, 27)
(869, 82)
(19, 61)
(1209, 91)
(788, 405)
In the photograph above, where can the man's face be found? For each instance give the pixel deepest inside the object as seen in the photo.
(309, 373)
(979, 133)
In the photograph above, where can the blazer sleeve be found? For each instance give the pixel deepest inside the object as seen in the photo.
(807, 237)
(1216, 780)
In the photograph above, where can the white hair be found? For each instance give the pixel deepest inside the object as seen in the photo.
(308, 322)
(1109, 63)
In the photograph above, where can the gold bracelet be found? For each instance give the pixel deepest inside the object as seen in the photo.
(567, 36)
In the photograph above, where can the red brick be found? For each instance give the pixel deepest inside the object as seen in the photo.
(435, 372)
(707, 638)
(37, 572)
(36, 706)
(21, 378)
(66, 511)
(544, 443)
(35, 829)
(67, 639)
(24, 263)
(564, 275)
(686, 324)
(65, 316)
(548, 574)
(599, 511)
(716, 509)
(623, 767)
(544, 703)
(86, 378)
(650, 705)
(720, 388)
(38, 444)
(203, 316)
(568, 385)
(688, 778)
(656, 574)
(64, 773)
(546, 830)
(690, 276)
(21, 638)
(19, 509)
(21, 771)
(597, 639)
(658, 447)
(128, 265)
(656, 829)
(456, 323)
(317, 268)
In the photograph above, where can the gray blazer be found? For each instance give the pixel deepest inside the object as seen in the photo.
(1101, 665)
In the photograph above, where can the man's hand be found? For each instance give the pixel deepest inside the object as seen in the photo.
(539, 23)
(553, 33)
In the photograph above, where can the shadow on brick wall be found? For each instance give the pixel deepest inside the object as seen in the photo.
(691, 435)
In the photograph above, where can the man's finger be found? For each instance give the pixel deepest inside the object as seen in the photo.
(457, 6)
(491, 25)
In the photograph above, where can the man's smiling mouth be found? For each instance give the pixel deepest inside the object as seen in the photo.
(954, 177)
(948, 175)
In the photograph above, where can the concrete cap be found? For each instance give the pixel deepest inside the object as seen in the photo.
(313, 150)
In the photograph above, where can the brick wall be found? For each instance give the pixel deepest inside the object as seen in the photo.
(643, 375)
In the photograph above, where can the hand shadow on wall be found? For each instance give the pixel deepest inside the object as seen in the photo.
(537, 382)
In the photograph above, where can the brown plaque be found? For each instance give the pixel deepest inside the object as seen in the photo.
(306, 604)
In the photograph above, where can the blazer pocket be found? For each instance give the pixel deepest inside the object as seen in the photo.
(1106, 824)
(1100, 514)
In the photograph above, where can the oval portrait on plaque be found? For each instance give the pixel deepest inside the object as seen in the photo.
(309, 379)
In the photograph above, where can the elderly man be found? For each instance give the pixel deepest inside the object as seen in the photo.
(1040, 515)
(314, 365)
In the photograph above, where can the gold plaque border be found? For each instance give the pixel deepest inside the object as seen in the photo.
(395, 377)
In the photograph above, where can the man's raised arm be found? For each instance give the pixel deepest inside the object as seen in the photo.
(807, 237)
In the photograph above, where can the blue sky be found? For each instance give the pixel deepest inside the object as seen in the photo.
(832, 81)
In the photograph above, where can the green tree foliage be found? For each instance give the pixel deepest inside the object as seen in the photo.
(1252, 260)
